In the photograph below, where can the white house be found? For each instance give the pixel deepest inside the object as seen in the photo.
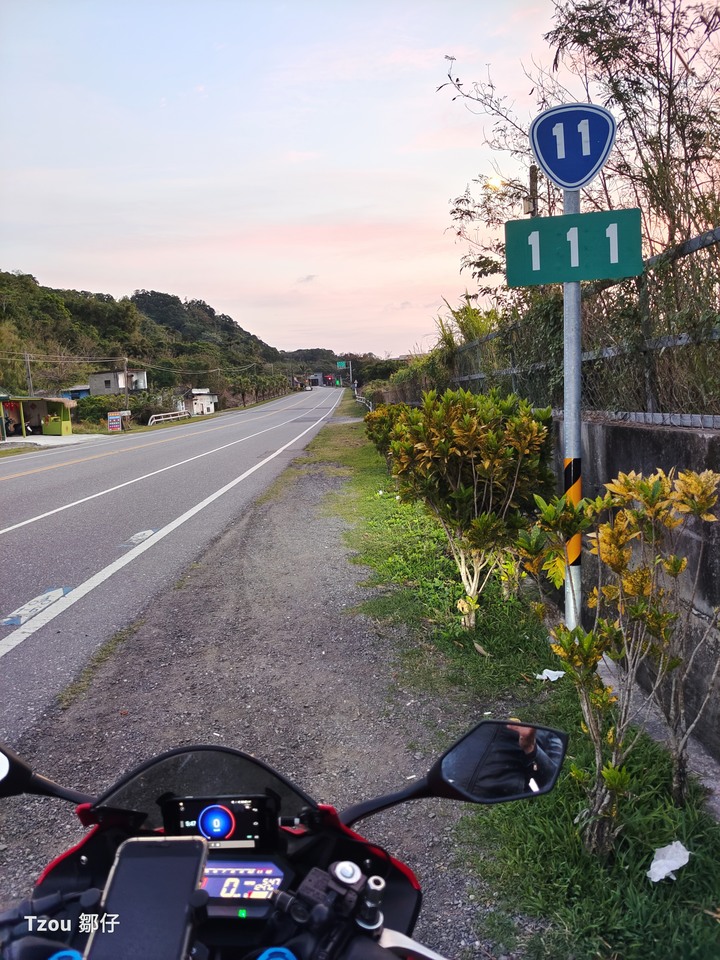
(199, 401)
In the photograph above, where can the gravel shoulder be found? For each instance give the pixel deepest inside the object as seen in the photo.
(260, 647)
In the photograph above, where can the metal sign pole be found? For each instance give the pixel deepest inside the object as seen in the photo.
(572, 434)
(571, 143)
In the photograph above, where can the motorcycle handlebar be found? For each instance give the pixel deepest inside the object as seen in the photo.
(391, 943)
(363, 948)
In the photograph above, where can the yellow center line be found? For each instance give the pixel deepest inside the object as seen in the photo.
(113, 453)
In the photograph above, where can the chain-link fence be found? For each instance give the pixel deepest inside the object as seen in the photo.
(651, 344)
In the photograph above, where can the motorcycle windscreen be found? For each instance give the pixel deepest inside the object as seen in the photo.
(200, 771)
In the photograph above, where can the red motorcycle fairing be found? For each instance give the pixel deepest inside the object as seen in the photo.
(99, 821)
(403, 896)
(333, 820)
(66, 854)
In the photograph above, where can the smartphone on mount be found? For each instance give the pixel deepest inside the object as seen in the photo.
(146, 904)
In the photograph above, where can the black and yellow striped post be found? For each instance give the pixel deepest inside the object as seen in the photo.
(573, 492)
(572, 486)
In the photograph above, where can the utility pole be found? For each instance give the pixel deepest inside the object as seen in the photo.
(530, 203)
(28, 374)
(127, 393)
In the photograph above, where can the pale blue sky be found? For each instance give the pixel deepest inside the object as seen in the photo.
(290, 163)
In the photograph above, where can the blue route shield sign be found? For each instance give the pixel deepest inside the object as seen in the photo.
(572, 142)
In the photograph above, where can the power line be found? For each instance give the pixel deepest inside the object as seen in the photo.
(62, 358)
(65, 358)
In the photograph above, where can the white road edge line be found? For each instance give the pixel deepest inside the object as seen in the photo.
(147, 476)
(60, 606)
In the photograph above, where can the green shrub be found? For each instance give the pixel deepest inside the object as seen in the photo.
(95, 409)
(475, 461)
(379, 425)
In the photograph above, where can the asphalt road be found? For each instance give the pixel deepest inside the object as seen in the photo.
(90, 534)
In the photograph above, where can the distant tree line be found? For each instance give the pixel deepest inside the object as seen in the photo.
(62, 336)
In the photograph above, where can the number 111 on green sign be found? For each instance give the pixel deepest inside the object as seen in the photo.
(572, 238)
(585, 246)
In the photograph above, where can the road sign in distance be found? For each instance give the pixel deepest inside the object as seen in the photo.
(114, 421)
(582, 246)
(341, 364)
(572, 142)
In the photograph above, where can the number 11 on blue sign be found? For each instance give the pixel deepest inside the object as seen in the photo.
(585, 246)
(583, 128)
(571, 142)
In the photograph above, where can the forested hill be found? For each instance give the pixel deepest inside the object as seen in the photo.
(70, 333)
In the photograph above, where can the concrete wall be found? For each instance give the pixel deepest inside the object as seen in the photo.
(610, 448)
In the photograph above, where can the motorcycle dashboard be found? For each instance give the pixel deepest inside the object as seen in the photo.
(241, 822)
(241, 832)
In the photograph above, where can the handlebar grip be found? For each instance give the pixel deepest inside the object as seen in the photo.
(38, 948)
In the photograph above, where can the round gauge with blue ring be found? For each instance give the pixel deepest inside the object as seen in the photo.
(216, 822)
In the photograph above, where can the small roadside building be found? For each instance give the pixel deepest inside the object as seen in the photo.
(110, 382)
(24, 416)
(76, 392)
(199, 401)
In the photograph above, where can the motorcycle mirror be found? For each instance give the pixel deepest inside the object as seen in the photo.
(17, 777)
(500, 760)
(497, 761)
(15, 774)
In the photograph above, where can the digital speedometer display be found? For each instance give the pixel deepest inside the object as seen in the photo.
(248, 823)
(229, 880)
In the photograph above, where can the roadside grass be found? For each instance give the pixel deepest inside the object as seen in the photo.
(530, 854)
(73, 691)
(14, 451)
(318, 451)
(182, 583)
(86, 427)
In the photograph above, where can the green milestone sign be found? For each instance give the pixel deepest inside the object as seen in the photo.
(572, 247)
